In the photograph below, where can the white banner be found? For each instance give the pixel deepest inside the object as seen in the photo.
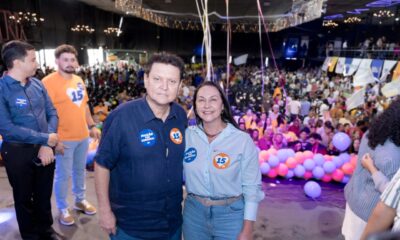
(340, 65)
(387, 67)
(326, 64)
(241, 59)
(357, 99)
(364, 74)
(351, 68)
(391, 89)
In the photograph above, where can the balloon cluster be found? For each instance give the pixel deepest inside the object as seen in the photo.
(287, 163)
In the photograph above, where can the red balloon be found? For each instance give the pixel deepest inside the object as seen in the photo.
(307, 175)
(282, 170)
(348, 168)
(326, 178)
(338, 175)
(272, 173)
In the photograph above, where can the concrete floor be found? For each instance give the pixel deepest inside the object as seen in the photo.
(285, 213)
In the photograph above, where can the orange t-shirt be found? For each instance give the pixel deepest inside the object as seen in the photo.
(70, 99)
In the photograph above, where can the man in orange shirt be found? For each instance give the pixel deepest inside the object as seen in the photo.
(68, 94)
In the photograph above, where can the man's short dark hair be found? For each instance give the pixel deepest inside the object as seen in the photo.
(65, 48)
(15, 50)
(166, 58)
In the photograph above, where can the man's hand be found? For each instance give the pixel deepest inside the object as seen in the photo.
(53, 139)
(107, 221)
(60, 148)
(46, 155)
(95, 133)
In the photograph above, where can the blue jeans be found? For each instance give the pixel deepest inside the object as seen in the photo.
(213, 222)
(72, 163)
(121, 235)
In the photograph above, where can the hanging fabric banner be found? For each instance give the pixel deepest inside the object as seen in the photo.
(387, 68)
(332, 64)
(326, 64)
(396, 72)
(376, 67)
(340, 65)
(351, 66)
(363, 75)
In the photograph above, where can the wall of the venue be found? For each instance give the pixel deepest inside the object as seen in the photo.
(61, 15)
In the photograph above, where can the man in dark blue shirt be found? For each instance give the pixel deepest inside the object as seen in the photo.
(139, 160)
(28, 124)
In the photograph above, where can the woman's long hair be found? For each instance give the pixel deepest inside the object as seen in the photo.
(226, 114)
(386, 126)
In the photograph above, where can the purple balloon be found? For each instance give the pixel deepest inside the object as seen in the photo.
(309, 164)
(318, 172)
(345, 157)
(282, 155)
(273, 161)
(337, 161)
(341, 141)
(329, 167)
(345, 179)
(319, 159)
(299, 171)
(289, 174)
(264, 168)
(312, 189)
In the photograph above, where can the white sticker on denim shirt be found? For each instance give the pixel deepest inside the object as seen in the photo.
(147, 137)
(190, 155)
(21, 102)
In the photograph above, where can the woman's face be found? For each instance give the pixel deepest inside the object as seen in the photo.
(209, 104)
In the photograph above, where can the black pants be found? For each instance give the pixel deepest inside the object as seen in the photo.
(32, 187)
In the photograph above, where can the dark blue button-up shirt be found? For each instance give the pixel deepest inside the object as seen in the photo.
(144, 156)
(27, 114)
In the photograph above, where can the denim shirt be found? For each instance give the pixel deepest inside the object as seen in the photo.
(226, 167)
(27, 114)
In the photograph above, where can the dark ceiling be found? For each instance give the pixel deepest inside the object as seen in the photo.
(236, 7)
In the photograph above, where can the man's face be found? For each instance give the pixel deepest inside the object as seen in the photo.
(28, 65)
(67, 63)
(162, 83)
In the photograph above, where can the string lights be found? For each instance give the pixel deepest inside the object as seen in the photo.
(112, 31)
(82, 29)
(329, 23)
(26, 18)
(384, 14)
(351, 20)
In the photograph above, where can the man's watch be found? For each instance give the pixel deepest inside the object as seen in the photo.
(91, 126)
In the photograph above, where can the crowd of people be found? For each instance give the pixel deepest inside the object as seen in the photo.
(144, 113)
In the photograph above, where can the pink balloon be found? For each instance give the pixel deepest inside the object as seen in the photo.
(272, 151)
(353, 160)
(299, 156)
(272, 173)
(291, 162)
(308, 175)
(263, 155)
(282, 170)
(308, 155)
(338, 175)
(328, 157)
(348, 168)
(326, 178)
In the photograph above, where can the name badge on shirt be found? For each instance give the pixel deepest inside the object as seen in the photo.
(221, 161)
(147, 137)
(190, 155)
(21, 102)
(176, 136)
